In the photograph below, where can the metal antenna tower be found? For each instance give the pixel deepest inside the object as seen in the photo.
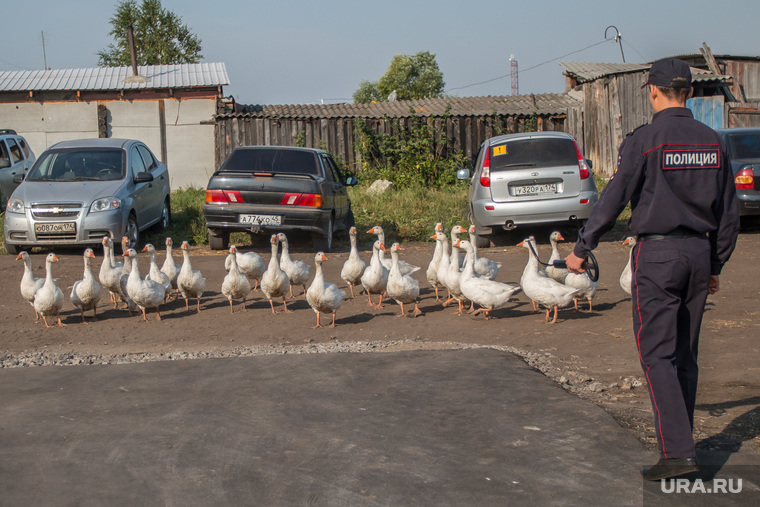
(513, 72)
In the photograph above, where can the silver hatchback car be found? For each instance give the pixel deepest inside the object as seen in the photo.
(77, 192)
(531, 178)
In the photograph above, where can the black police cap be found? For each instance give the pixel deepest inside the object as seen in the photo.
(669, 73)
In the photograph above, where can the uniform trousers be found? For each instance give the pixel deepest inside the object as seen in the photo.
(669, 285)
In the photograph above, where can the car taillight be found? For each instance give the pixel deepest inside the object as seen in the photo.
(313, 200)
(582, 164)
(745, 179)
(485, 172)
(223, 196)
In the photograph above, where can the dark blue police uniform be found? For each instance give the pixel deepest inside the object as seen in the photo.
(676, 176)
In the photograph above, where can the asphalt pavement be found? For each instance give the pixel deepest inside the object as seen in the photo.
(467, 427)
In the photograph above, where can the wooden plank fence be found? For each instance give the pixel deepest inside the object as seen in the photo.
(337, 135)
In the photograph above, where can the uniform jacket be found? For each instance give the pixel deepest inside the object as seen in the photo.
(676, 175)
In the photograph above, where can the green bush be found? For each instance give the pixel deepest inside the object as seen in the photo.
(416, 152)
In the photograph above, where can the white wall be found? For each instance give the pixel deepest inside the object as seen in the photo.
(189, 144)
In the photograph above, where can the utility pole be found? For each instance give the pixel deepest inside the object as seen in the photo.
(44, 55)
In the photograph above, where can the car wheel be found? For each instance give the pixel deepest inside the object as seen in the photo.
(482, 241)
(166, 215)
(323, 242)
(132, 233)
(12, 249)
(218, 240)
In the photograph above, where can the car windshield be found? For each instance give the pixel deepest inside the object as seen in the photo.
(269, 160)
(79, 164)
(745, 146)
(534, 152)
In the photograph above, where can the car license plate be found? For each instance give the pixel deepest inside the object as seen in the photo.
(260, 220)
(55, 228)
(548, 188)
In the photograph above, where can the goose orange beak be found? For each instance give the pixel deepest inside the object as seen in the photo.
(559, 236)
(145, 248)
(520, 243)
(91, 255)
(324, 257)
(433, 236)
(382, 247)
(55, 258)
(19, 257)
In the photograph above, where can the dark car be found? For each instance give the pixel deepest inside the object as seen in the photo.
(261, 189)
(16, 158)
(743, 145)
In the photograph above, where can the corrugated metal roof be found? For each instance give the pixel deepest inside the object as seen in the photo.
(186, 75)
(589, 71)
(525, 105)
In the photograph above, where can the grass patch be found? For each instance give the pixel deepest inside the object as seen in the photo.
(409, 214)
(187, 222)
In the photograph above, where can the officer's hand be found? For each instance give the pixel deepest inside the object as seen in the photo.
(574, 263)
(714, 285)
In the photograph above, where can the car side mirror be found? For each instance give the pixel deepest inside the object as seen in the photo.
(18, 178)
(463, 174)
(143, 177)
(351, 181)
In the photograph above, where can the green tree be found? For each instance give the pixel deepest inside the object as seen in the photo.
(160, 37)
(411, 77)
(367, 92)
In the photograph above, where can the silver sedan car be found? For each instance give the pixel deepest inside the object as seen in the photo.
(77, 192)
(529, 179)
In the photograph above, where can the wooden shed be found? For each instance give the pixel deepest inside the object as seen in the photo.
(614, 104)
(467, 121)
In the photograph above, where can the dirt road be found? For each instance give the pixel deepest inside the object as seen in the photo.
(591, 354)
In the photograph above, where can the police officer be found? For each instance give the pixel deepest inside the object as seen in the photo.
(675, 173)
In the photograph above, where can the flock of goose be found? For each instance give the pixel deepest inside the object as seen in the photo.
(469, 279)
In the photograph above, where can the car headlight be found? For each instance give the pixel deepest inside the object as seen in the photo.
(106, 204)
(15, 205)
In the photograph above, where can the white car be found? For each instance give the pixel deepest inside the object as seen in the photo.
(80, 191)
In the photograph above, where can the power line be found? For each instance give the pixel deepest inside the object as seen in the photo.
(636, 50)
(534, 67)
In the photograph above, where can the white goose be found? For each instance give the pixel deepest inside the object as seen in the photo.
(250, 264)
(169, 267)
(489, 294)
(48, 300)
(155, 272)
(443, 267)
(353, 268)
(585, 286)
(190, 281)
(110, 271)
(375, 277)
(625, 276)
(29, 285)
(528, 269)
(145, 293)
(432, 271)
(126, 269)
(324, 297)
(453, 275)
(406, 268)
(274, 281)
(482, 266)
(297, 271)
(557, 274)
(545, 291)
(402, 288)
(86, 292)
(235, 284)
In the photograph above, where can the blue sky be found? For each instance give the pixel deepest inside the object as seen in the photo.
(304, 52)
